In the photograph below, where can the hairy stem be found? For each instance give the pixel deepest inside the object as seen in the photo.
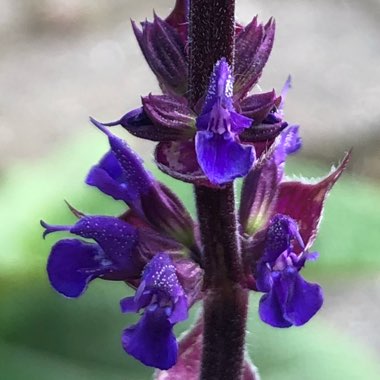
(225, 306)
(212, 28)
(211, 32)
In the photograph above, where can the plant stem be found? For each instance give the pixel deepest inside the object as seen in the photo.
(225, 306)
(212, 28)
(211, 32)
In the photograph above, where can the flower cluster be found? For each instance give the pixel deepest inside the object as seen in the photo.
(151, 247)
(154, 245)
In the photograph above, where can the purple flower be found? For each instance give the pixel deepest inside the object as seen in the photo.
(122, 246)
(121, 174)
(73, 263)
(274, 214)
(215, 141)
(219, 151)
(164, 301)
(289, 299)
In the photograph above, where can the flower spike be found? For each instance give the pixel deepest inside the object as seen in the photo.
(208, 137)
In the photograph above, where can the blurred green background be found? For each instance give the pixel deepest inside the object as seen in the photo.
(63, 60)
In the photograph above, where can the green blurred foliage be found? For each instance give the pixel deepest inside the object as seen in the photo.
(45, 336)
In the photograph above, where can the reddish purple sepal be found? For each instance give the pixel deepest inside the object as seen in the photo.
(189, 358)
(137, 123)
(258, 194)
(258, 106)
(178, 159)
(253, 47)
(260, 186)
(179, 18)
(164, 211)
(162, 118)
(190, 275)
(164, 50)
(267, 121)
(304, 202)
(166, 111)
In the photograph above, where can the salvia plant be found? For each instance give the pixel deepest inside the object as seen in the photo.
(210, 129)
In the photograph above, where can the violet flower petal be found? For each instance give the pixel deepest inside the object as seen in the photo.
(239, 122)
(160, 276)
(107, 176)
(289, 142)
(220, 88)
(189, 358)
(263, 276)
(284, 92)
(160, 279)
(138, 302)
(218, 114)
(219, 152)
(152, 340)
(281, 231)
(129, 174)
(116, 238)
(180, 310)
(304, 299)
(271, 309)
(72, 264)
(222, 158)
(122, 175)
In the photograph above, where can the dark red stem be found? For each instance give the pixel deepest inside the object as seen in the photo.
(212, 29)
